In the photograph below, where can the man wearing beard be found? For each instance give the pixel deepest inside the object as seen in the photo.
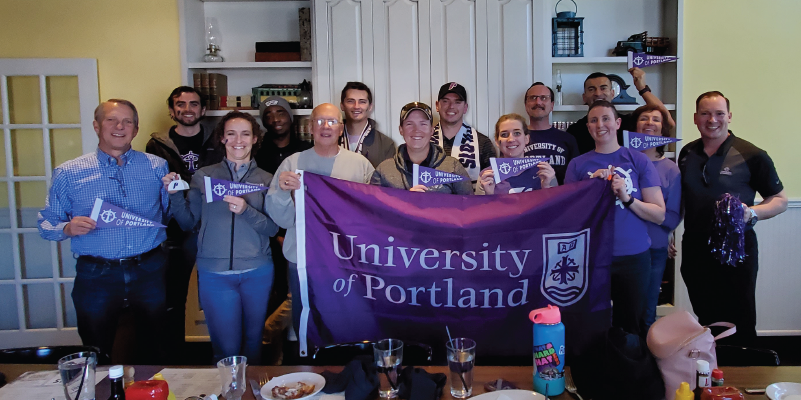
(279, 141)
(187, 147)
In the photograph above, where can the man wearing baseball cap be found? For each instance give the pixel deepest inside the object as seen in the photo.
(459, 140)
(279, 141)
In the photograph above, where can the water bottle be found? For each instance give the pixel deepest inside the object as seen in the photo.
(549, 351)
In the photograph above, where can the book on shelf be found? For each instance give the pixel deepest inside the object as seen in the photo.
(212, 87)
(304, 16)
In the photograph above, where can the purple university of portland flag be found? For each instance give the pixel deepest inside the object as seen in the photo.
(642, 141)
(375, 262)
(216, 189)
(108, 215)
(431, 177)
(642, 60)
(504, 168)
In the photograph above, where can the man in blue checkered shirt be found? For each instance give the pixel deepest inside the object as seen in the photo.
(117, 268)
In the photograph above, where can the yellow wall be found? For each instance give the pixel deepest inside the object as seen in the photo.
(748, 51)
(135, 44)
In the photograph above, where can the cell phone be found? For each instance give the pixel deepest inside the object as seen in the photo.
(754, 391)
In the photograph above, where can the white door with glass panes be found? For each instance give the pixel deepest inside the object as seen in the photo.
(46, 115)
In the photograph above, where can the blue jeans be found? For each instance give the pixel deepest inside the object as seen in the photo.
(102, 290)
(235, 306)
(630, 276)
(658, 262)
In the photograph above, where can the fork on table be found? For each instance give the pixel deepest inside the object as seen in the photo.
(570, 386)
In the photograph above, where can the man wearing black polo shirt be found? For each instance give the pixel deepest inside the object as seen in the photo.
(597, 86)
(545, 140)
(721, 163)
(187, 147)
(459, 140)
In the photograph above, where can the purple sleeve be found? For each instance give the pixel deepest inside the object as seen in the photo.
(648, 175)
(571, 175)
(673, 199)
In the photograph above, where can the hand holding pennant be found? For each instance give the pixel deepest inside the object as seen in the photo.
(431, 177)
(108, 215)
(642, 141)
(504, 168)
(642, 60)
(217, 189)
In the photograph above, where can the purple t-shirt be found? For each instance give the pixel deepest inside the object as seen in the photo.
(670, 181)
(631, 231)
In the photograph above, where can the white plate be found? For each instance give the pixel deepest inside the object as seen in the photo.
(784, 391)
(309, 378)
(516, 394)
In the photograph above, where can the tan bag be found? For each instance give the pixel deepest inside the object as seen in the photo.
(677, 340)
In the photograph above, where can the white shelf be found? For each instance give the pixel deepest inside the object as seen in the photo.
(250, 65)
(619, 107)
(588, 60)
(220, 113)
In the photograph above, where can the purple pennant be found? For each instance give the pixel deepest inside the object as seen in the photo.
(642, 60)
(108, 215)
(505, 168)
(216, 189)
(431, 177)
(642, 141)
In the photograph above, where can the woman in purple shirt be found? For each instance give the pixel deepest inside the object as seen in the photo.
(649, 120)
(635, 183)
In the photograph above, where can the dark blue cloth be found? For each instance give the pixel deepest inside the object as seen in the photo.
(670, 182)
(134, 186)
(630, 275)
(559, 146)
(658, 262)
(235, 306)
(102, 290)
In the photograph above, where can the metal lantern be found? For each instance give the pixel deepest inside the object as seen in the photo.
(567, 33)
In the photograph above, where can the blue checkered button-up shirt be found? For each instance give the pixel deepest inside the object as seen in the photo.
(134, 186)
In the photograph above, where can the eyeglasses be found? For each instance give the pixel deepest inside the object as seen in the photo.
(545, 97)
(118, 177)
(327, 122)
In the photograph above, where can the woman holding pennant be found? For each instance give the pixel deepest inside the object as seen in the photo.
(234, 262)
(418, 165)
(651, 120)
(511, 136)
(635, 183)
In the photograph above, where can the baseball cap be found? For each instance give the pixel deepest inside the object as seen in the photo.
(452, 87)
(275, 101)
(415, 105)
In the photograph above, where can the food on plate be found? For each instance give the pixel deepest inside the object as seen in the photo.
(292, 391)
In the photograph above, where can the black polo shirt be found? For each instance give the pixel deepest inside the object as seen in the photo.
(737, 167)
(584, 139)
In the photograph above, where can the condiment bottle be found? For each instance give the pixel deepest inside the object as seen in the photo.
(549, 351)
(717, 377)
(684, 392)
(702, 379)
(115, 374)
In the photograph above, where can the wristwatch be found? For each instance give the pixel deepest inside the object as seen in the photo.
(754, 217)
(628, 203)
(644, 90)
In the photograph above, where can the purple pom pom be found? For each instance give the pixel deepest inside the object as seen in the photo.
(728, 234)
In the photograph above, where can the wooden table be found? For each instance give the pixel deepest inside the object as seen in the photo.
(740, 377)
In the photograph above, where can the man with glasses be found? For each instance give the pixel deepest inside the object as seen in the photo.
(711, 166)
(117, 268)
(187, 147)
(361, 134)
(545, 140)
(598, 86)
(325, 158)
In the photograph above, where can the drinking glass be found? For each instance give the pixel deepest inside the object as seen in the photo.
(232, 376)
(78, 375)
(461, 359)
(388, 355)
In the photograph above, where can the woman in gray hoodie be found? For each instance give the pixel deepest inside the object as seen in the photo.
(416, 127)
(234, 262)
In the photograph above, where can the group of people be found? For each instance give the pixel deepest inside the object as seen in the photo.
(244, 246)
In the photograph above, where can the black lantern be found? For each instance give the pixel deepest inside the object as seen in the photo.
(568, 33)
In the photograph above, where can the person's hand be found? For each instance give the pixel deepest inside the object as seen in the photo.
(79, 226)
(746, 213)
(546, 174)
(289, 180)
(639, 78)
(167, 179)
(619, 188)
(603, 173)
(237, 205)
(419, 188)
(672, 252)
(487, 181)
